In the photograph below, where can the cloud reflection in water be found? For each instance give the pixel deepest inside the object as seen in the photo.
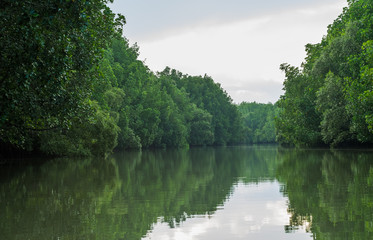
(253, 211)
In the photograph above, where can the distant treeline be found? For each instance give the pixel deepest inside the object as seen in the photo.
(259, 122)
(329, 100)
(72, 85)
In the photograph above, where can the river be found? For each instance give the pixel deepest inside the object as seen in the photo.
(247, 192)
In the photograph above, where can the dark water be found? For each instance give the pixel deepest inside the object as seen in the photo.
(253, 192)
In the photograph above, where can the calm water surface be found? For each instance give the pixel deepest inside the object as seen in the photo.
(252, 192)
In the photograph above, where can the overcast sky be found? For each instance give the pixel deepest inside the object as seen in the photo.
(239, 43)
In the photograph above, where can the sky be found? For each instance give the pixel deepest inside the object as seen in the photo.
(239, 43)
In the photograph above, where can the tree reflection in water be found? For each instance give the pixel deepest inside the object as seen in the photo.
(330, 191)
(123, 196)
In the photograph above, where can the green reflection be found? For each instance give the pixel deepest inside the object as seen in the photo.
(121, 198)
(62, 199)
(330, 190)
(175, 185)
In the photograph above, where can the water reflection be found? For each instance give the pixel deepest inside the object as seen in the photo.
(254, 211)
(62, 199)
(206, 193)
(332, 191)
(176, 185)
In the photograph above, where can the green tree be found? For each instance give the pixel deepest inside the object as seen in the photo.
(209, 96)
(329, 99)
(259, 120)
(49, 49)
(97, 135)
(360, 94)
(201, 132)
(298, 120)
(335, 124)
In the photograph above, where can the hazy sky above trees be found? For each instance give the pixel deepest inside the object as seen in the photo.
(239, 43)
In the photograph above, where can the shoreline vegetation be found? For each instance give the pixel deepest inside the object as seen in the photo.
(329, 99)
(71, 85)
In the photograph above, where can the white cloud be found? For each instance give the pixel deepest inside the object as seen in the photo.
(151, 19)
(243, 53)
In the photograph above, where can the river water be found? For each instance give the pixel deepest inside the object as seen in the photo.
(247, 192)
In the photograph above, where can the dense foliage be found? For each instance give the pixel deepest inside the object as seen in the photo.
(259, 122)
(330, 99)
(215, 104)
(71, 85)
(166, 109)
(49, 50)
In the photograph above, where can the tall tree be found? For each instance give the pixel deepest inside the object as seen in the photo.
(48, 51)
(329, 100)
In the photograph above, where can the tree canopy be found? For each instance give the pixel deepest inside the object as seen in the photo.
(329, 100)
(72, 85)
(258, 122)
(49, 50)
